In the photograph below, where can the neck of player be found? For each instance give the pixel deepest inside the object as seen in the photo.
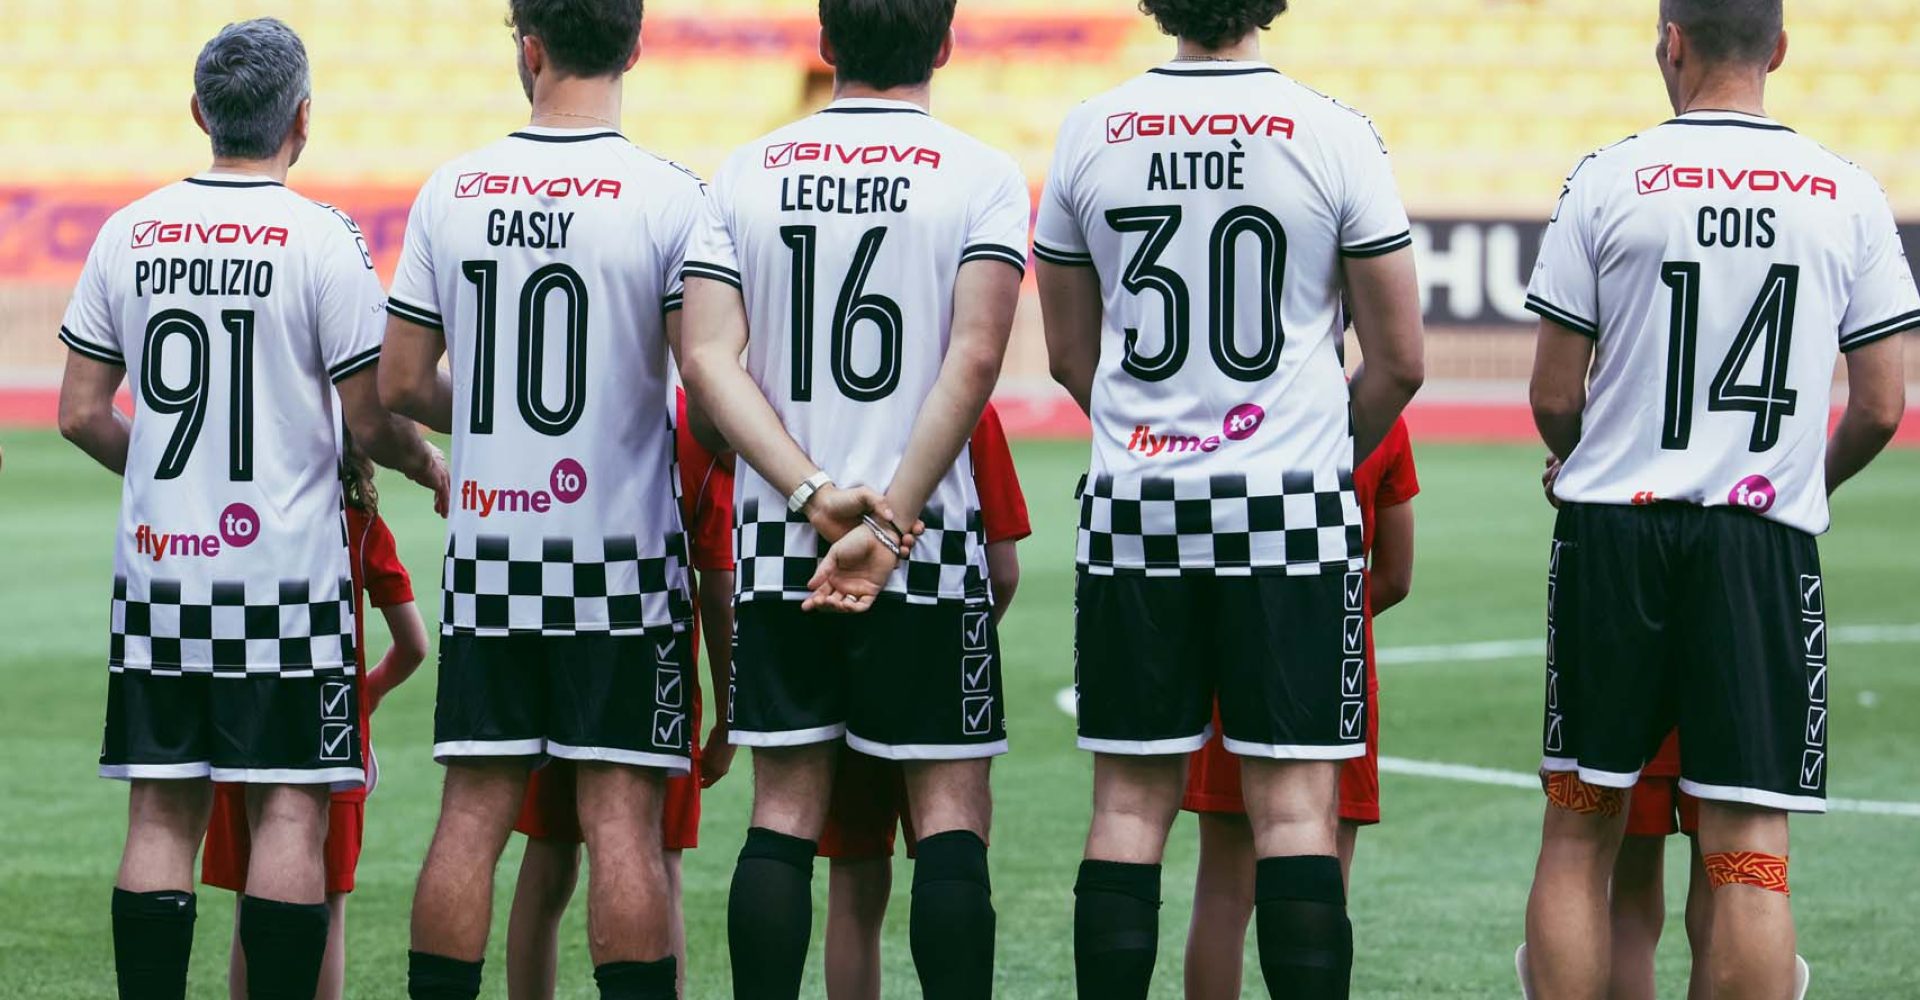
(275, 168)
(1246, 49)
(919, 94)
(1732, 88)
(576, 102)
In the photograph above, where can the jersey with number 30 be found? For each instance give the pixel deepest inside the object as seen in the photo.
(1720, 261)
(550, 260)
(845, 232)
(1216, 201)
(234, 305)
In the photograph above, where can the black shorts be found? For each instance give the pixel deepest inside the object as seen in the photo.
(1711, 618)
(624, 699)
(901, 681)
(1284, 655)
(255, 728)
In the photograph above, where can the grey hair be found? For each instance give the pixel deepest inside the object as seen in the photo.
(250, 80)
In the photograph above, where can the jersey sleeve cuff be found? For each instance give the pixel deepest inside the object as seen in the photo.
(1380, 247)
(1880, 331)
(712, 272)
(673, 302)
(1585, 327)
(346, 369)
(1064, 258)
(89, 349)
(417, 315)
(995, 251)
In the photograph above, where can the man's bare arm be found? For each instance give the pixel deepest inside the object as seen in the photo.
(389, 438)
(411, 382)
(87, 415)
(1071, 308)
(1561, 358)
(1390, 574)
(1876, 400)
(1384, 293)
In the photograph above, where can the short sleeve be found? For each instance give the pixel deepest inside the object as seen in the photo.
(1884, 301)
(1057, 236)
(88, 329)
(1001, 217)
(1373, 220)
(674, 235)
(1003, 507)
(349, 301)
(711, 252)
(415, 296)
(386, 580)
(1566, 277)
(1399, 481)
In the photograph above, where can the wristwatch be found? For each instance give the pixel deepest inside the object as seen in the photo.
(797, 500)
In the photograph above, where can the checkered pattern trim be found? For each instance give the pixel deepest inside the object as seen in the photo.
(776, 553)
(293, 628)
(1224, 525)
(570, 586)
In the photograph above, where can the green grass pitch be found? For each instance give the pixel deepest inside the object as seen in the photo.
(1438, 889)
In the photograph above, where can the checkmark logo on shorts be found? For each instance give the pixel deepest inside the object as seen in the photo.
(1353, 677)
(973, 630)
(1817, 685)
(976, 674)
(1813, 596)
(1814, 635)
(1351, 713)
(336, 701)
(1355, 633)
(1812, 763)
(1356, 590)
(1554, 741)
(336, 741)
(976, 715)
(669, 728)
(667, 689)
(1817, 725)
(663, 655)
(468, 185)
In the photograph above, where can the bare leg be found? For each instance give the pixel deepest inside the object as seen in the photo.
(333, 968)
(548, 871)
(1639, 909)
(792, 787)
(453, 902)
(1568, 931)
(166, 821)
(627, 893)
(676, 919)
(770, 900)
(1346, 839)
(236, 963)
(288, 827)
(1753, 936)
(1222, 906)
(1135, 800)
(1699, 925)
(858, 890)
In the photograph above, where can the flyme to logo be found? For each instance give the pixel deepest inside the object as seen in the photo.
(238, 526)
(566, 484)
(1241, 423)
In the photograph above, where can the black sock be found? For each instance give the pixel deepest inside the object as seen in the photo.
(284, 944)
(436, 977)
(152, 941)
(770, 915)
(952, 919)
(1306, 941)
(656, 980)
(1116, 929)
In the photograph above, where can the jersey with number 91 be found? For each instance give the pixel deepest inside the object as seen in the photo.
(1720, 261)
(1216, 201)
(233, 304)
(550, 260)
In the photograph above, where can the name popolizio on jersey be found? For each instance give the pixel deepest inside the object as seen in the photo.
(566, 485)
(237, 528)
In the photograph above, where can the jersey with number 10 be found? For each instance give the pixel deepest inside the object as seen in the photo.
(846, 232)
(1216, 201)
(550, 260)
(234, 305)
(1720, 261)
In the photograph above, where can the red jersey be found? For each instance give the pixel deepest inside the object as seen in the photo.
(1003, 508)
(706, 497)
(379, 579)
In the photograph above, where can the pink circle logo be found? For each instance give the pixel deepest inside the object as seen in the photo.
(569, 481)
(1755, 493)
(239, 526)
(1243, 422)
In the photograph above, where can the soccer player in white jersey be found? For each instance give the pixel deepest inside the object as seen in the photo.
(546, 267)
(1696, 286)
(867, 261)
(1199, 225)
(248, 320)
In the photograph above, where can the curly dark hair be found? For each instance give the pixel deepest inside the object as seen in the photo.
(1213, 23)
(356, 478)
(584, 38)
(886, 43)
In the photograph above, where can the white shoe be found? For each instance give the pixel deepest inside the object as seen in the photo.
(1520, 970)
(1801, 976)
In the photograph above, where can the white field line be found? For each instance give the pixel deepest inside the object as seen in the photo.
(1511, 648)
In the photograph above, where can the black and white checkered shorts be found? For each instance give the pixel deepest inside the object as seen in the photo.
(289, 628)
(1224, 525)
(570, 586)
(776, 553)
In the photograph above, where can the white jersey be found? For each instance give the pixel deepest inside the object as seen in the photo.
(845, 232)
(1216, 201)
(550, 259)
(234, 305)
(1720, 261)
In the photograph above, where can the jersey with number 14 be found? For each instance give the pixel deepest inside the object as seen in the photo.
(233, 304)
(1720, 261)
(1216, 201)
(846, 232)
(550, 260)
